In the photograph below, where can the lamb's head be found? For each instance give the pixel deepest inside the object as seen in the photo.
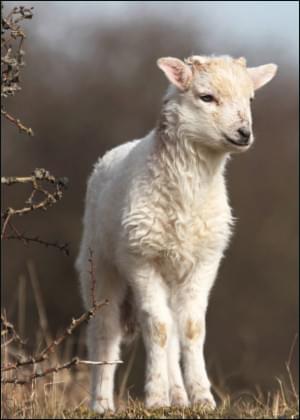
(211, 98)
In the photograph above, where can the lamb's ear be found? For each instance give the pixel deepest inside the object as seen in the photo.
(176, 71)
(261, 75)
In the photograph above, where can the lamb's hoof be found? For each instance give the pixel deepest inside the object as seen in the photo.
(207, 404)
(156, 401)
(204, 400)
(178, 396)
(102, 405)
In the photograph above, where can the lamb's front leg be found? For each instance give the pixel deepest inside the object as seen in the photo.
(177, 392)
(155, 318)
(192, 300)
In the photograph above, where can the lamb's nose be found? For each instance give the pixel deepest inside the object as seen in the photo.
(245, 134)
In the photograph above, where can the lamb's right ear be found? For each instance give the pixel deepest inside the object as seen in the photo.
(176, 71)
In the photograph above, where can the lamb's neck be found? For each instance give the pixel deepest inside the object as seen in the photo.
(184, 168)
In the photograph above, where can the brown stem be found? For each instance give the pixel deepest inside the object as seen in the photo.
(17, 122)
(44, 354)
(75, 361)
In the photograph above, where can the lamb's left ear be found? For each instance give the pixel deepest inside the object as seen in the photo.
(261, 75)
(176, 71)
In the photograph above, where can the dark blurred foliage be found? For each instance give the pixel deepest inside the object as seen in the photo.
(81, 105)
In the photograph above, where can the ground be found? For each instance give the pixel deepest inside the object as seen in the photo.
(52, 406)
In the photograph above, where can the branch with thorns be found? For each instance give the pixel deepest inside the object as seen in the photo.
(17, 122)
(75, 361)
(26, 239)
(45, 353)
(39, 175)
(12, 58)
(7, 328)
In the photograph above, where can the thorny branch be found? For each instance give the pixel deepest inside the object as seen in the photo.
(75, 361)
(26, 239)
(47, 200)
(12, 61)
(12, 57)
(17, 122)
(7, 328)
(44, 354)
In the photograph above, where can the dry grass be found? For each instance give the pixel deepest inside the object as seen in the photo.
(66, 395)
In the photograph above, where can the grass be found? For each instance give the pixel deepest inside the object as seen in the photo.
(66, 396)
(136, 410)
(240, 411)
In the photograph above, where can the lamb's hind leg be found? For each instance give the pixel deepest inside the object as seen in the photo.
(104, 339)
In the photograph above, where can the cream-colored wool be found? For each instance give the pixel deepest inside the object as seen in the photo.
(158, 221)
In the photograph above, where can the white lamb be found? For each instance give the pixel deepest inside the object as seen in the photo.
(158, 221)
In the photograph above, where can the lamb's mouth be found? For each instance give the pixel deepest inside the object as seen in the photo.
(236, 143)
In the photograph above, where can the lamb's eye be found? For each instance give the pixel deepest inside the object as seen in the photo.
(251, 99)
(207, 98)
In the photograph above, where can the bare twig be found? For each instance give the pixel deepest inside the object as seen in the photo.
(44, 354)
(74, 324)
(17, 122)
(38, 176)
(6, 218)
(12, 58)
(26, 239)
(95, 363)
(75, 361)
(12, 61)
(15, 230)
(8, 328)
(8, 342)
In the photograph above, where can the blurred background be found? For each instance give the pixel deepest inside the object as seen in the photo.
(91, 83)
